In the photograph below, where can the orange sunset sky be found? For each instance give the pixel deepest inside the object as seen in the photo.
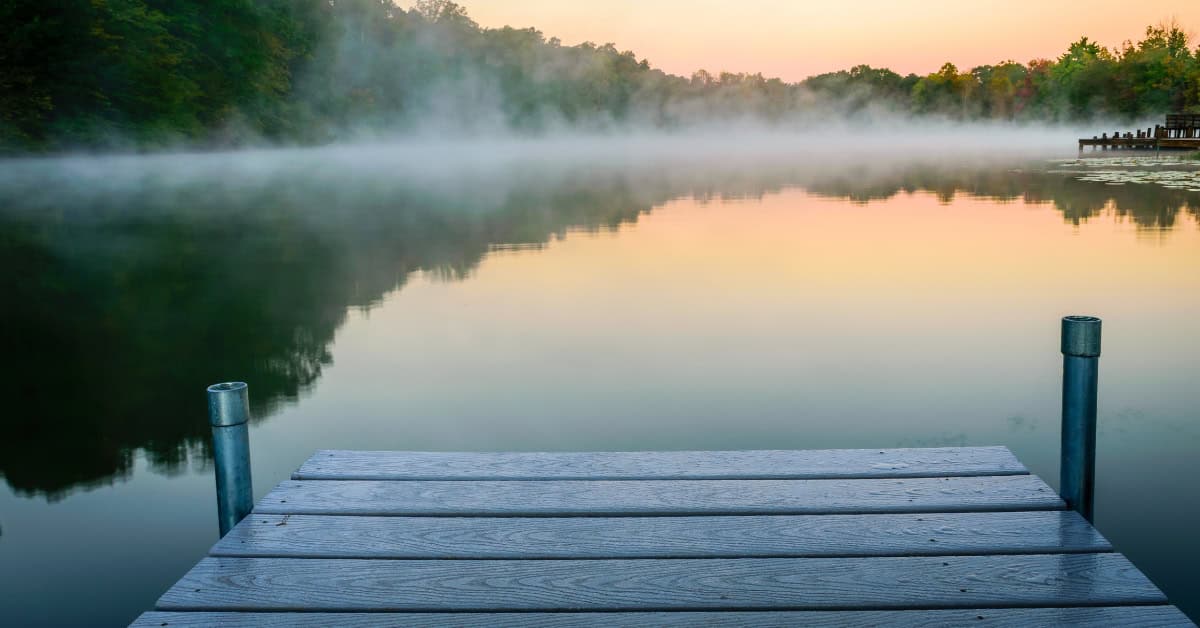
(793, 39)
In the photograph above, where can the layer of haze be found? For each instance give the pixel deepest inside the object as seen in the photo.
(510, 162)
(794, 40)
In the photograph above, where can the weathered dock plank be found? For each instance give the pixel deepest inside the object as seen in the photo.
(309, 536)
(1141, 616)
(658, 497)
(286, 584)
(661, 465)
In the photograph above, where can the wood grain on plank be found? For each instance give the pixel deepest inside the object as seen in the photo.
(660, 465)
(1141, 616)
(658, 497)
(661, 537)
(280, 584)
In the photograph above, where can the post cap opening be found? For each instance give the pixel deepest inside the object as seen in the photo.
(1081, 336)
(226, 386)
(228, 404)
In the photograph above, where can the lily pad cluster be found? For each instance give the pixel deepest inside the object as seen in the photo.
(1136, 161)
(1167, 172)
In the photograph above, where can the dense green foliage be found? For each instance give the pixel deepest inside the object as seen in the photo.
(107, 73)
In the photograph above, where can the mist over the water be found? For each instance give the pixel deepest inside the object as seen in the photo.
(493, 163)
(166, 246)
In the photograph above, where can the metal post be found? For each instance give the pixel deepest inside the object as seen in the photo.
(229, 412)
(1081, 361)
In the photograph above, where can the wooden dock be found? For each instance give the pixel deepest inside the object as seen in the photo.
(907, 537)
(1181, 132)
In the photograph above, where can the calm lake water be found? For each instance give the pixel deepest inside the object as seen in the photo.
(556, 304)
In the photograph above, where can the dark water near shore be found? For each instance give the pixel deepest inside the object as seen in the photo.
(565, 306)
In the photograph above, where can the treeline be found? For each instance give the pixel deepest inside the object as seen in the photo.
(147, 73)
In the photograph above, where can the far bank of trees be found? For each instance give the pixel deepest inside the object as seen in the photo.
(148, 73)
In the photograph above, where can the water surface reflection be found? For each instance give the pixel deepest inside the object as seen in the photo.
(129, 288)
(633, 302)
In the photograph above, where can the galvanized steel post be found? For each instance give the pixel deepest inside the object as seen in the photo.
(1081, 362)
(229, 414)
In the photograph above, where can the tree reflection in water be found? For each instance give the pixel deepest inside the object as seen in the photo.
(128, 290)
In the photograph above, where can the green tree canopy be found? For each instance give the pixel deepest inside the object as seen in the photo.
(152, 73)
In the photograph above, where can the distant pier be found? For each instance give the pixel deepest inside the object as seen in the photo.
(1181, 131)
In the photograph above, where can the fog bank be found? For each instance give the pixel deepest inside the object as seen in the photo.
(502, 161)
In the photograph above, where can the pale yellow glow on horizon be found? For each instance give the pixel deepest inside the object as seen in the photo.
(793, 40)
